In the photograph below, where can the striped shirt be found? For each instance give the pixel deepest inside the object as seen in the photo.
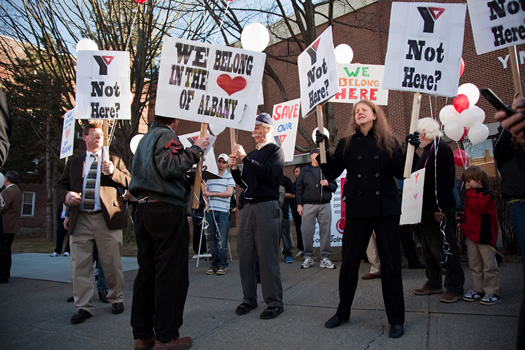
(220, 185)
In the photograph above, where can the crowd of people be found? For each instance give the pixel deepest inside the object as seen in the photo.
(92, 185)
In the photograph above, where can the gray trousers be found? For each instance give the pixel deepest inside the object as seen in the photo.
(323, 213)
(258, 238)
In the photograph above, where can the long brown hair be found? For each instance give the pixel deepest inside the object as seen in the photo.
(384, 137)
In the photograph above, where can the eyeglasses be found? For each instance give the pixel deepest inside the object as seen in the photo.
(222, 161)
(96, 134)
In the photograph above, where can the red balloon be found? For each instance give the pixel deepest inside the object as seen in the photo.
(461, 68)
(465, 133)
(461, 103)
(460, 157)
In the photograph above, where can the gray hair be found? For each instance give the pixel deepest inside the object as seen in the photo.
(12, 176)
(430, 127)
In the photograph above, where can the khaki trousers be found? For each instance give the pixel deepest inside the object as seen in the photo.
(484, 267)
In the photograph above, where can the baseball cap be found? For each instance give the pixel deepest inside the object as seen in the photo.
(263, 118)
(314, 150)
(223, 156)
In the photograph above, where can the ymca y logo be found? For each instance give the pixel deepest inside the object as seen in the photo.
(103, 63)
(430, 16)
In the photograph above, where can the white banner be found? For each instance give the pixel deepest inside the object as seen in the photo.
(425, 45)
(412, 203)
(102, 85)
(209, 163)
(360, 82)
(207, 83)
(496, 24)
(317, 72)
(285, 120)
(338, 216)
(68, 134)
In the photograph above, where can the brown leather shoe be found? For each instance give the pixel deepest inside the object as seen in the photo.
(370, 276)
(449, 298)
(426, 290)
(80, 316)
(144, 344)
(174, 344)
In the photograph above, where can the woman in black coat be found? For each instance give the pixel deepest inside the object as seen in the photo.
(371, 157)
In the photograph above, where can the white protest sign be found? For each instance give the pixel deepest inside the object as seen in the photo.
(496, 24)
(317, 73)
(102, 85)
(207, 83)
(360, 82)
(68, 134)
(285, 120)
(338, 207)
(412, 203)
(425, 44)
(209, 163)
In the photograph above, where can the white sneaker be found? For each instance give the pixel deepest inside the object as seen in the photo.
(53, 254)
(326, 264)
(308, 262)
(490, 299)
(299, 253)
(472, 296)
(66, 254)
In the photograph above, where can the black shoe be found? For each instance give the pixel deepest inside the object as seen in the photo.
(271, 312)
(335, 321)
(117, 308)
(103, 297)
(70, 299)
(244, 308)
(80, 316)
(396, 331)
(417, 265)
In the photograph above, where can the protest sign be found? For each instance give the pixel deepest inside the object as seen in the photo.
(317, 73)
(285, 120)
(207, 83)
(102, 85)
(209, 163)
(425, 44)
(412, 203)
(496, 24)
(68, 134)
(360, 82)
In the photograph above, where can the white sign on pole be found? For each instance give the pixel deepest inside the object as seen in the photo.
(412, 203)
(496, 24)
(285, 120)
(206, 83)
(338, 216)
(68, 134)
(103, 90)
(317, 72)
(360, 82)
(425, 44)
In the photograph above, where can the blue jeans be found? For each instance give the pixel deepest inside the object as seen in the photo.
(219, 226)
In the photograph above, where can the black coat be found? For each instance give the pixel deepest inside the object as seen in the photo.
(370, 185)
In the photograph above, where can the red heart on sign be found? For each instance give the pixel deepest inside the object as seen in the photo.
(230, 85)
(67, 133)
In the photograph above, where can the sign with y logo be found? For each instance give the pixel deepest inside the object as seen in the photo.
(103, 87)
(425, 45)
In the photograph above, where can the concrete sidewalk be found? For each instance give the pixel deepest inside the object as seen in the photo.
(34, 313)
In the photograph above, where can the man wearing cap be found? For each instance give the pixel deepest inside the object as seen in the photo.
(313, 195)
(259, 226)
(219, 193)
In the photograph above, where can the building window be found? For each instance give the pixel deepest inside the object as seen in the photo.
(28, 204)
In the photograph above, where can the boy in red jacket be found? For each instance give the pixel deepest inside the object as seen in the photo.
(480, 227)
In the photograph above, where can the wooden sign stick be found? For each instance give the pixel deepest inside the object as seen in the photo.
(320, 127)
(515, 70)
(413, 127)
(198, 172)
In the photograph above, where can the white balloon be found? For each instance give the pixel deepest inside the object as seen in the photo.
(454, 130)
(468, 118)
(134, 143)
(216, 129)
(478, 133)
(2, 178)
(480, 114)
(448, 113)
(325, 131)
(86, 45)
(255, 37)
(344, 53)
(471, 91)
